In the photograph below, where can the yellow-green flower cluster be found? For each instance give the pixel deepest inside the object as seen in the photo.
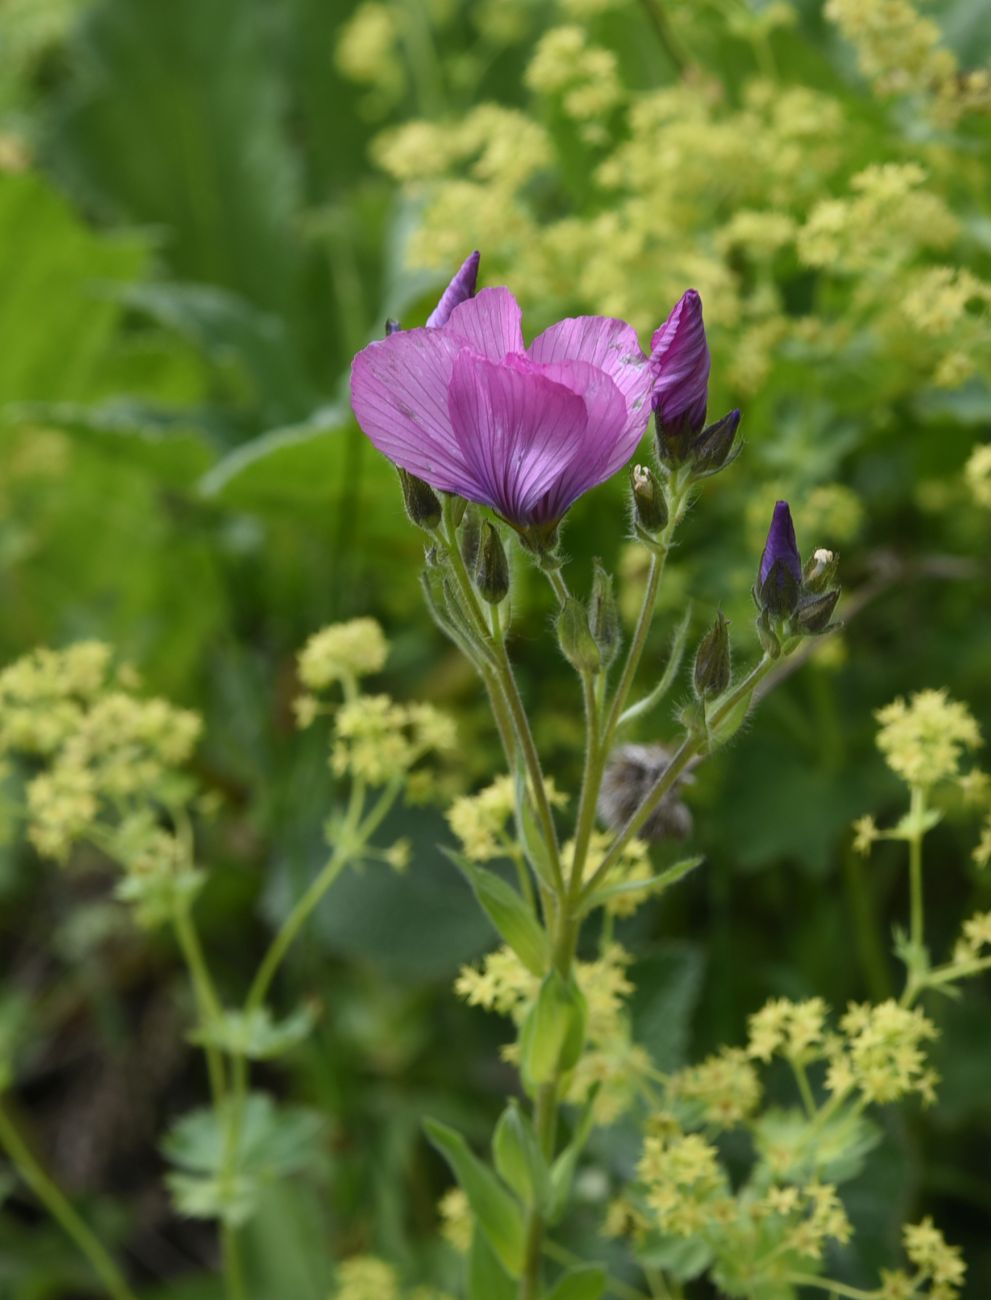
(377, 740)
(343, 652)
(112, 768)
(923, 739)
(583, 76)
(456, 1219)
(880, 1053)
(722, 1091)
(632, 866)
(937, 1262)
(975, 940)
(686, 1186)
(903, 53)
(481, 821)
(977, 474)
(794, 1030)
(365, 1277)
(611, 1061)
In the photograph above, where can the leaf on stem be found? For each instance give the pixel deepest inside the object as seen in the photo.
(508, 912)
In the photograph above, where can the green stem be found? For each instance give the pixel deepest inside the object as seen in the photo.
(207, 1002)
(507, 682)
(916, 814)
(635, 652)
(691, 746)
(802, 1079)
(61, 1210)
(837, 1288)
(673, 47)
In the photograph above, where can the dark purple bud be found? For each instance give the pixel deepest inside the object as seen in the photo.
(814, 612)
(780, 578)
(392, 327)
(680, 363)
(716, 446)
(461, 288)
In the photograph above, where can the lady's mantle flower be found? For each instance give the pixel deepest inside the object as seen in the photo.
(464, 405)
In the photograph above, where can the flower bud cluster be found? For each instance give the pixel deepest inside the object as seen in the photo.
(793, 601)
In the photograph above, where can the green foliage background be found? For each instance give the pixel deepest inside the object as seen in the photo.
(193, 242)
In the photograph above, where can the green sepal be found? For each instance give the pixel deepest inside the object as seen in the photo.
(727, 727)
(586, 1282)
(508, 912)
(553, 1032)
(496, 1212)
(518, 1159)
(663, 880)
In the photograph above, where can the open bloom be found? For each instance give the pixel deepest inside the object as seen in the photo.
(464, 405)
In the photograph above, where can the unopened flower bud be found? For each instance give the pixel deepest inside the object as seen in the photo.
(575, 639)
(420, 500)
(711, 675)
(392, 327)
(492, 566)
(814, 612)
(716, 446)
(820, 572)
(470, 537)
(648, 500)
(779, 579)
(603, 615)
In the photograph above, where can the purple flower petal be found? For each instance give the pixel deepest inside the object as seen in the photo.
(781, 547)
(489, 324)
(461, 288)
(679, 359)
(399, 395)
(516, 428)
(607, 441)
(610, 345)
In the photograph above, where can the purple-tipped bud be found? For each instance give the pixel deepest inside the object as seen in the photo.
(780, 578)
(392, 326)
(716, 446)
(680, 363)
(461, 288)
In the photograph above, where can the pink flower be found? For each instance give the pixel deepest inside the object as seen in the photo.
(464, 405)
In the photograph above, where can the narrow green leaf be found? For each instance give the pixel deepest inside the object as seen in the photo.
(563, 1169)
(582, 1283)
(518, 1159)
(528, 832)
(677, 653)
(487, 1279)
(508, 912)
(663, 880)
(498, 1214)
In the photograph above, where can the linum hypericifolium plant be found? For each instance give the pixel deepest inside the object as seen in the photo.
(494, 441)
(105, 779)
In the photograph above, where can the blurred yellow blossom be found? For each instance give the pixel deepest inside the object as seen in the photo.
(977, 474)
(923, 740)
(342, 652)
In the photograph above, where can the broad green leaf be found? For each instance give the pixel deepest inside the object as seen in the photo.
(798, 1148)
(497, 1213)
(57, 319)
(301, 463)
(274, 1142)
(512, 918)
(255, 1034)
(167, 445)
(667, 986)
(583, 1283)
(153, 126)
